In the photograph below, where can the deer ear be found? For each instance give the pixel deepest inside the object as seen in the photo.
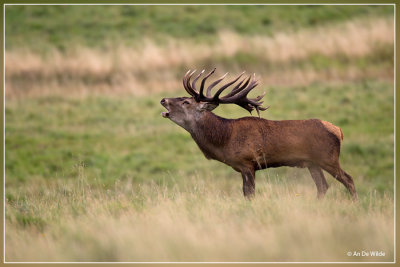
(208, 106)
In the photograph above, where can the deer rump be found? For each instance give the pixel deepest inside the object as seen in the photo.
(249, 144)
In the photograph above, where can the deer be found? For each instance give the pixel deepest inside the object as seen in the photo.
(249, 144)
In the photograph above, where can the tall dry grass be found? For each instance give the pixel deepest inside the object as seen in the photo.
(151, 67)
(198, 221)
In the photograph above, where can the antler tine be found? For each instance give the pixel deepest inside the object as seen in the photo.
(239, 97)
(233, 91)
(257, 105)
(216, 96)
(238, 87)
(188, 88)
(204, 81)
(208, 93)
(258, 108)
(195, 80)
(258, 98)
(258, 111)
(185, 84)
(242, 93)
(184, 78)
(189, 77)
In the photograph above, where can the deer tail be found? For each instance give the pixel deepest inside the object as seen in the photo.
(334, 129)
(341, 134)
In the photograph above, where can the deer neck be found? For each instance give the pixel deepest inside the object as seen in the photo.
(210, 131)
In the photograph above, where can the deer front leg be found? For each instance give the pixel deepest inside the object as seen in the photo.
(249, 186)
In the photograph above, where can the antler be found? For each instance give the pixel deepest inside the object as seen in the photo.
(238, 95)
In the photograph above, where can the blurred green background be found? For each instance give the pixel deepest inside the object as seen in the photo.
(44, 27)
(83, 85)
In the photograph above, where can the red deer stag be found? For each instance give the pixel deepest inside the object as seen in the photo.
(251, 143)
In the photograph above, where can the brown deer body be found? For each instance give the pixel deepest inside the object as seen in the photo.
(249, 144)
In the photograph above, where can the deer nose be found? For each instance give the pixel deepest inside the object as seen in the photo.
(162, 101)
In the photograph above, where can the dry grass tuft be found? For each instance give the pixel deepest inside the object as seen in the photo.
(353, 39)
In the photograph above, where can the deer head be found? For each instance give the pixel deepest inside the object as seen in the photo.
(185, 111)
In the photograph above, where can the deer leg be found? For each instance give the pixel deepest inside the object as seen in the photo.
(344, 178)
(350, 185)
(319, 180)
(249, 186)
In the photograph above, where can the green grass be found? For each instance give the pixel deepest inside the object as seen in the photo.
(46, 27)
(126, 138)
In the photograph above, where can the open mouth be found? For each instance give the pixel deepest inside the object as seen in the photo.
(165, 114)
(165, 105)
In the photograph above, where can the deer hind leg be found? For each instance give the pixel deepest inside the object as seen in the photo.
(343, 177)
(319, 180)
(249, 186)
(351, 187)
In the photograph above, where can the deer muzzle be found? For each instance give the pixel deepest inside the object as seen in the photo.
(164, 102)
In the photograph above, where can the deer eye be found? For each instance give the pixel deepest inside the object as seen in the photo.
(186, 102)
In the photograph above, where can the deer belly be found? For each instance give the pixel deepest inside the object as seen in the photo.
(288, 158)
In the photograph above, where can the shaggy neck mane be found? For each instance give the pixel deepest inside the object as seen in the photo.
(212, 129)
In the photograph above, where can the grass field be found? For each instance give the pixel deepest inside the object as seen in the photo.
(94, 173)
